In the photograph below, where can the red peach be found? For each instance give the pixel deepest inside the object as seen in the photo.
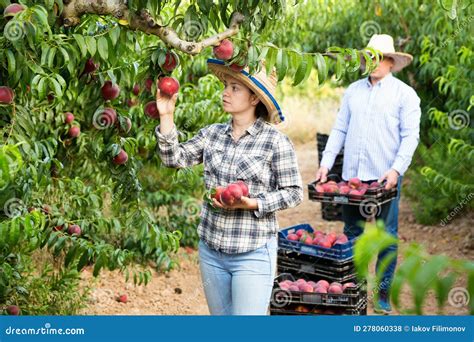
(320, 289)
(305, 288)
(344, 189)
(74, 230)
(346, 285)
(6, 95)
(325, 243)
(168, 86)
(293, 288)
(216, 193)
(122, 298)
(110, 91)
(322, 283)
(136, 89)
(335, 288)
(235, 190)
(292, 237)
(12, 9)
(300, 232)
(68, 118)
(227, 198)
(354, 183)
(374, 185)
(148, 84)
(224, 50)
(244, 187)
(121, 158)
(151, 110)
(13, 310)
(170, 62)
(74, 132)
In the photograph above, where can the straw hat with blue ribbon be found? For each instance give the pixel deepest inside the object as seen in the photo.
(261, 84)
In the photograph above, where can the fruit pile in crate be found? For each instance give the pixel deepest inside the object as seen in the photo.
(316, 274)
(352, 192)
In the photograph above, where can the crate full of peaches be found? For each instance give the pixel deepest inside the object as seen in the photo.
(354, 191)
(304, 239)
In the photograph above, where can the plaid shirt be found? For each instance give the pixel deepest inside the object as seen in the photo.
(263, 157)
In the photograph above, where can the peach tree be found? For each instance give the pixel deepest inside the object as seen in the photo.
(81, 183)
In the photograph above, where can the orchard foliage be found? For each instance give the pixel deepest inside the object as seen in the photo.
(420, 272)
(62, 131)
(439, 36)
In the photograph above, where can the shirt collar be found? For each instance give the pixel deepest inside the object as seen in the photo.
(253, 129)
(380, 83)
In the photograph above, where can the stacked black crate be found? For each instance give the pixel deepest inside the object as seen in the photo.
(330, 212)
(298, 262)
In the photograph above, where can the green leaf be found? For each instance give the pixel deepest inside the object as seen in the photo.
(340, 64)
(271, 59)
(91, 45)
(81, 43)
(304, 70)
(51, 55)
(115, 35)
(11, 62)
(103, 47)
(56, 87)
(98, 265)
(322, 68)
(281, 64)
(83, 260)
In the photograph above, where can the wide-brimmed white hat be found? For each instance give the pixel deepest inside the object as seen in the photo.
(384, 43)
(261, 84)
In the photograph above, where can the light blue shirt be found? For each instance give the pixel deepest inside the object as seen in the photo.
(379, 127)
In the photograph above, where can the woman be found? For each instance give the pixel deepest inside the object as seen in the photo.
(238, 243)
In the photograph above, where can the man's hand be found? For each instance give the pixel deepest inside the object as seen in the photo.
(245, 203)
(322, 174)
(392, 179)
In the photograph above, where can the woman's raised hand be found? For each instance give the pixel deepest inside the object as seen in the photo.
(165, 104)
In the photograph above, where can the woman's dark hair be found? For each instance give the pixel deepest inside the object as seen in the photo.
(261, 111)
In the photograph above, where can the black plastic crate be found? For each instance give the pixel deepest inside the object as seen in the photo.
(306, 268)
(331, 212)
(291, 310)
(337, 252)
(351, 298)
(374, 196)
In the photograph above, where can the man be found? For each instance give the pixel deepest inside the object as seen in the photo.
(378, 125)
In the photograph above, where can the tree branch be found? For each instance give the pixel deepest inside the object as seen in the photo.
(74, 9)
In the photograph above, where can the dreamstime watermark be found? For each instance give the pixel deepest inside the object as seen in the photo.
(14, 30)
(368, 29)
(462, 25)
(281, 298)
(14, 207)
(458, 119)
(192, 29)
(46, 330)
(104, 118)
(458, 297)
(369, 208)
(457, 209)
(191, 208)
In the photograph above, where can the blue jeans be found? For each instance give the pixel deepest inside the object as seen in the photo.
(238, 284)
(389, 214)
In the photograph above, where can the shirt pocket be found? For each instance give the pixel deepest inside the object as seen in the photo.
(388, 114)
(252, 169)
(213, 159)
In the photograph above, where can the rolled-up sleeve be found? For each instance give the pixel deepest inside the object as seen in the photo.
(180, 155)
(289, 191)
(409, 131)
